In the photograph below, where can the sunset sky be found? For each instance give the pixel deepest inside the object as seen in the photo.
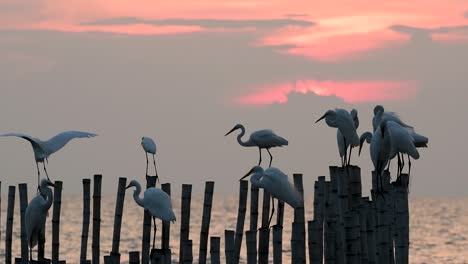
(185, 72)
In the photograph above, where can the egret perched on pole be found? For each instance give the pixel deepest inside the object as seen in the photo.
(36, 213)
(263, 139)
(380, 114)
(344, 121)
(276, 183)
(342, 148)
(156, 202)
(380, 149)
(43, 149)
(150, 147)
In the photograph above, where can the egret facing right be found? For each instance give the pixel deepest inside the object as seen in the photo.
(36, 213)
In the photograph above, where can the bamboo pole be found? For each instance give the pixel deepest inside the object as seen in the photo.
(299, 219)
(371, 232)
(23, 196)
(229, 245)
(188, 256)
(338, 204)
(206, 218)
(185, 218)
(277, 244)
(166, 230)
(329, 241)
(251, 241)
(319, 214)
(134, 257)
(383, 231)
(364, 225)
(402, 221)
(315, 239)
(95, 246)
(9, 226)
(56, 221)
(243, 189)
(147, 222)
(353, 243)
(354, 186)
(214, 250)
(86, 216)
(119, 205)
(264, 231)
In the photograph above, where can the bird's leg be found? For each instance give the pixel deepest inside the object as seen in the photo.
(260, 152)
(350, 151)
(45, 170)
(399, 165)
(402, 163)
(155, 170)
(272, 211)
(271, 157)
(342, 162)
(38, 175)
(346, 152)
(154, 231)
(146, 153)
(409, 165)
(30, 253)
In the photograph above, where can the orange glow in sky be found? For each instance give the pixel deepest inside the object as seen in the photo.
(349, 91)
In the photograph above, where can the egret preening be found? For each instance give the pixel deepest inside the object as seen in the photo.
(43, 149)
(156, 202)
(380, 114)
(36, 213)
(150, 147)
(263, 139)
(346, 124)
(276, 183)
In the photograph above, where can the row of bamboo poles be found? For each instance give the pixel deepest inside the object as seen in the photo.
(346, 228)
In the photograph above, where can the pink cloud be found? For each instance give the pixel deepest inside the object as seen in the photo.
(349, 91)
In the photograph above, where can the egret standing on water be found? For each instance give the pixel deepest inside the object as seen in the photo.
(263, 139)
(43, 149)
(156, 202)
(150, 147)
(344, 121)
(36, 213)
(276, 183)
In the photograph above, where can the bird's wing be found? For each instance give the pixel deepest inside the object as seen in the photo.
(60, 140)
(341, 144)
(279, 186)
(401, 140)
(159, 204)
(149, 145)
(34, 141)
(267, 138)
(396, 118)
(347, 127)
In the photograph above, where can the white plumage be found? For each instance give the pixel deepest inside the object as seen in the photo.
(36, 213)
(43, 149)
(156, 201)
(276, 183)
(149, 147)
(263, 139)
(342, 144)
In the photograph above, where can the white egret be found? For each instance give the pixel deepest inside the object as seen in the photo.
(276, 183)
(36, 213)
(43, 149)
(150, 147)
(344, 121)
(380, 114)
(156, 202)
(342, 146)
(263, 139)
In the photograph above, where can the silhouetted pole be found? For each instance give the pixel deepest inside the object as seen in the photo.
(277, 244)
(264, 231)
(56, 221)
(243, 189)
(95, 246)
(251, 235)
(86, 216)
(229, 246)
(23, 196)
(166, 230)
(9, 223)
(206, 218)
(383, 230)
(298, 251)
(251, 241)
(214, 250)
(188, 256)
(147, 221)
(337, 200)
(119, 205)
(134, 257)
(364, 225)
(371, 232)
(402, 220)
(315, 238)
(329, 241)
(185, 218)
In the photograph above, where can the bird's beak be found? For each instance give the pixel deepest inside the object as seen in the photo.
(318, 120)
(230, 131)
(246, 175)
(128, 186)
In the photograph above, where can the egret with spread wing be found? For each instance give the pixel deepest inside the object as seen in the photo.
(263, 139)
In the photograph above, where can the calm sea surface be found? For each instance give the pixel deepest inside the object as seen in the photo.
(438, 231)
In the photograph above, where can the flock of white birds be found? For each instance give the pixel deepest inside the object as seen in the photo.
(391, 138)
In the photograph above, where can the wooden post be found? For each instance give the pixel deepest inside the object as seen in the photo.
(23, 196)
(364, 225)
(147, 222)
(166, 230)
(86, 216)
(56, 221)
(353, 174)
(185, 218)
(251, 241)
(206, 218)
(315, 239)
(353, 244)
(383, 230)
(9, 226)
(188, 256)
(229, 246)
(214, 250)
(277, 244)
(299, 220)
(134, 257)
(319, 216)
(338, 203)
(119, 205)
(264, 231)
(371, 232)
(329, 241)
(243, 189)
(402, 221)
(95, 246)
